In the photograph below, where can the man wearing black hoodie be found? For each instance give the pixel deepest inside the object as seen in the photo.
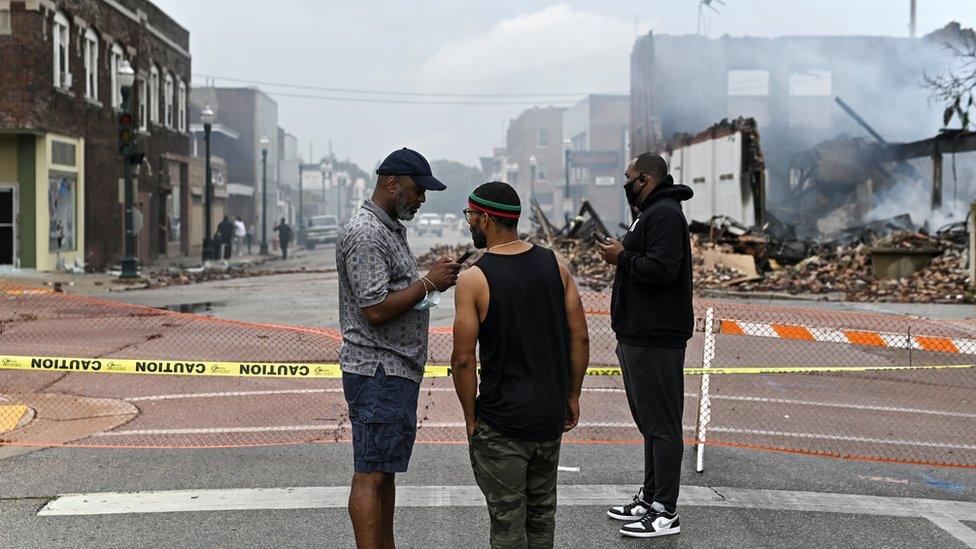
(652, 317)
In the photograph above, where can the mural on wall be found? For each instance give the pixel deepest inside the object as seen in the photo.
(62, 195)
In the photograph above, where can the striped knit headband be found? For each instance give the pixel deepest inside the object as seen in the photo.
(497, 209)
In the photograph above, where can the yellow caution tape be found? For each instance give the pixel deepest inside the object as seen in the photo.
(333, 371)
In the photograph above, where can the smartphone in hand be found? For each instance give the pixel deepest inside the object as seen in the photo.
(464, 257)
(600, 239)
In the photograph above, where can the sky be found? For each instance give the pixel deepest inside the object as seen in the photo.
(512, 54)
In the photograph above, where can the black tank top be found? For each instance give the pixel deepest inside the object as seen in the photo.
(524, 346)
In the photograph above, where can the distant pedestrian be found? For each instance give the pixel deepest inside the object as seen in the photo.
(249, 238)
(226, 231)
(240, 232)
(284, 236)
(652, 316)
(534, 352)
(384, 315)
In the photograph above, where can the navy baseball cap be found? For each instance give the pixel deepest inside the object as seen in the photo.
(409, 162)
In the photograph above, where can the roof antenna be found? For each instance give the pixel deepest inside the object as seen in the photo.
(703, 15)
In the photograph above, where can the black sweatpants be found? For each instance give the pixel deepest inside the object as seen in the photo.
(655, 386)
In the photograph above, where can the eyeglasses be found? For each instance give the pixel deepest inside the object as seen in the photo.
(469, 213)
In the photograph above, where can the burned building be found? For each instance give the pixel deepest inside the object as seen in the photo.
(683, 84)
(724, 164)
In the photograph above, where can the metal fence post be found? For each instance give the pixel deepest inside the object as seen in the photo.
(704, 403)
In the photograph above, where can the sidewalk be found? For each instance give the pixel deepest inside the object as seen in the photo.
(163, 267)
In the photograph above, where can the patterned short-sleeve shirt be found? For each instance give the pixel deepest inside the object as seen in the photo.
(373, 259)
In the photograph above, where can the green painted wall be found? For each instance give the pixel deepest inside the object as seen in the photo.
(27, 177)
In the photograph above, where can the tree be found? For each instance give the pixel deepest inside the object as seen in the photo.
(460, 180)
(956, 87)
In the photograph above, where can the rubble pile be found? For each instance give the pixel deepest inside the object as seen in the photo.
(846, 269)
(176, 276)
(730, 257)
(583, 259)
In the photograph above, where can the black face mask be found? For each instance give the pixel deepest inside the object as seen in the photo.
(630, 192)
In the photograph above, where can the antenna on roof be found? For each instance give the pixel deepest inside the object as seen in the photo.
(703, 16)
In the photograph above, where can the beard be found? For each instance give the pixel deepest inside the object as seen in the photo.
(479, 239)
(403, 210)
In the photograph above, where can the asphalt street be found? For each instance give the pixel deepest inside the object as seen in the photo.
(31, 480)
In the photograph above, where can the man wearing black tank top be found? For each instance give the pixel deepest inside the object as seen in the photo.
(652, 317)
(522, 307)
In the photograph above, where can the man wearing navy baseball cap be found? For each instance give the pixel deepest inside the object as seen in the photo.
(384, 313)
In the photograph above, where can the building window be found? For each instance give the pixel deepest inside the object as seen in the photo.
(174, 215)
(181, 106)
(748, 83)
(62, 189)
(143, 104)
(168, 101)
(62, 70)
(154, 95)
(811, 84)
(91, 65)
(542, 173)
(115, 60)
(5, 21)
(542, 138)
(63, 154)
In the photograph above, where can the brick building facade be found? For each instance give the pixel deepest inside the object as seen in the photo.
(59, 107)
(537, 133)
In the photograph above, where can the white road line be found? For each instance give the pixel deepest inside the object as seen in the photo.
(235, 394)
(943, 512)
(585, 390)
(841, 405)
(327, 426)
(847, 438)
(957, 529)
(597, 424)
(946, 514)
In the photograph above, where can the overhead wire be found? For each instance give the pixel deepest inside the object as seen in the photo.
(363, 91)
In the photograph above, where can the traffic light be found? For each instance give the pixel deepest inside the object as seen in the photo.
(126, 135)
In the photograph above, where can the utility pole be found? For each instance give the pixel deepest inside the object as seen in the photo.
(301, 225)
(264, 196)
(127, 78)
(911, 20)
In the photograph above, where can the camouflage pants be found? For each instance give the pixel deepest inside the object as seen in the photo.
(518, 478)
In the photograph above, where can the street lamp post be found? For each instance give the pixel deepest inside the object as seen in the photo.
(301, 225)
(533, 162)
(568, 148)
(324, 168)
(207, 116)
(264, 196)
(127, 77)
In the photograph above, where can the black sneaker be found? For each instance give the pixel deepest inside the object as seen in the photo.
(654, 524)
(635, 510)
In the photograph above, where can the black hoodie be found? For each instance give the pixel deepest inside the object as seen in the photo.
(651, 304)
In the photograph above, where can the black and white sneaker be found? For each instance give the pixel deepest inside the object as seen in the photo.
(634, 510)
(654, 524)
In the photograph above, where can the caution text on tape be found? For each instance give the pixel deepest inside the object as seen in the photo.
(333, 371)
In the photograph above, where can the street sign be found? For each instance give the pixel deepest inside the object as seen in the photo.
(136, 221)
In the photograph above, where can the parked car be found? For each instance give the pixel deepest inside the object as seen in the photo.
(430, 223)
(450, 222)
(321, 229)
